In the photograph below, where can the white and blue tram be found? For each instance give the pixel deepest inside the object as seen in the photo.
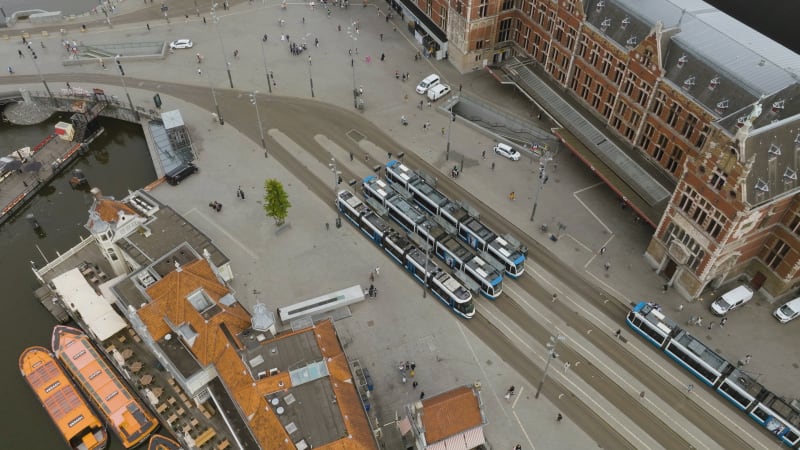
(458, 257)
(400, 248)
(733, 384)
(404, 213)
(378, 189)
(470, 229)
(478, 236)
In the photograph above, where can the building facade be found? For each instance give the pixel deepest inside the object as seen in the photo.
(709, 103)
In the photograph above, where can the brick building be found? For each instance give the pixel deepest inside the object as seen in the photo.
(692, 117)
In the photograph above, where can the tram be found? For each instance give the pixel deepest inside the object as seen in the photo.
(458, 257)
(729, 381)
(469, 228)
(400, 248)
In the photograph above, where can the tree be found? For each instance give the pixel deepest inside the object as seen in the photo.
(276, 201)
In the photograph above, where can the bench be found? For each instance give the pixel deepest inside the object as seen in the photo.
(223, 445)
(205, 437)
(161, 408)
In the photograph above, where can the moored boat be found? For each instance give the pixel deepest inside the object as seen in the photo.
(126, 416)
(73, 416)
(161, 442)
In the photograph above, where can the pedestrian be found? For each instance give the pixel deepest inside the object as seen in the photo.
(68, 86)
(602, 250)
(413, 365)
(559, 417)
(371, 277)
(428, 124)
(381, 36)
(10, 70)
(414, 384)
(664, 288)
(555, 297)
(429, 103)
(747, 359)
(518, 447)
(383, 57)
(710, 324)
(420, 105)
(377, 271)
(404, 380)
(442, 131)
(327, 226)
(699, 321)
(20, 54)
(350, 51)
(459, 87)
(618, 333)
(567, 365)
(641, 395)
(199, 72)
(483, 153)
(411, 372)
(187, 18)
(607, 266)
(723, 322)
(339, 28)
(103, 63)
(422, 395)
(680, 307)
(689, 388)
(148, 27)
(407, 366)
(236, 53)
(492, 165)
(512, 195)
(509, 392)
(425, 126)
(25, 41)
(204, 19)
(309, 60)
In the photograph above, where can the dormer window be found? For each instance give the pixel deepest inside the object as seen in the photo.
(689, 82)
(600, 5)
(723, 105)
(761, 185)
(779, 105)
(714, 83)
(774, 151)
(797, 139)
(682, 61)
(625, 22)
(632, 41)
(741, 121)
(605, 24)
(789, 175)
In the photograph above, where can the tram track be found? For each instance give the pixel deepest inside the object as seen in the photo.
(333, 122)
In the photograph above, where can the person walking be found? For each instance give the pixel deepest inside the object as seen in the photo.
(148, 27)
(199, 72)
(618, 333)
(559, 417)
(377, 271)
(414, 384)
(699, 321)
(21, 55)
(518, 447)
(723, 322)
(747, 359)
(641, 395)
(711, 325)
(602, 251)
(483, 153)
(422, 395)
(492, 165)
(607, 266)
(509, 392)
(512, 195)
(689, 388)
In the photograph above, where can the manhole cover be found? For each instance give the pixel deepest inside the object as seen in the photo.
(355, 135)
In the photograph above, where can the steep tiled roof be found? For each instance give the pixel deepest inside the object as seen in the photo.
(439, 419)
(169, 301)
(108, 209)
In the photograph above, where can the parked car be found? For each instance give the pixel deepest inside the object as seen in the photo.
(428, 82)
(506, 151)
(175, 176)
(181, 43)
(731, 300)
(438, 91)
(790, 310)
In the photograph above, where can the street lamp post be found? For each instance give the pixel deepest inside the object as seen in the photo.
(310, 79)
(551, 355)
(214, 97)
(449, 125)
(355, 92)
(254, 101)
(124, 86)
(542, 179)
(41, 77)
(332, 165)
(215, 18)
(266, 70)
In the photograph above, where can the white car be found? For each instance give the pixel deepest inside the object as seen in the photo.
(181, 43)
(438, 91)
(506, 151)
(790, 310)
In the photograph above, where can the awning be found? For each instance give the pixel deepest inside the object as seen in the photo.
(462, 441)
(404, 426)
(474, 437)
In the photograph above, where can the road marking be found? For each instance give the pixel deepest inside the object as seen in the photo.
(575, 194)
(564, 380)
(480, 365)
(223, 231)
(606, 369)
(527, 436)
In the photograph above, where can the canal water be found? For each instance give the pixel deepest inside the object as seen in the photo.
(118, 160)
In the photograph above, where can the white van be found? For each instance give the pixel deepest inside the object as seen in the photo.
(731, 300)
(428, 82)
(438, 91)
(790, 310)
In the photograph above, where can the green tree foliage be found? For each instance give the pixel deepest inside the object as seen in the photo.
(276, 201)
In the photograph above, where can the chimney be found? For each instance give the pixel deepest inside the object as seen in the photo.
(97, 193)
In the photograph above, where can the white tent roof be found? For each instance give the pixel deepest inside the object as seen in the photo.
(96, 311)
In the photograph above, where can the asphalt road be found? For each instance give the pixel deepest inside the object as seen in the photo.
(302, 119)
